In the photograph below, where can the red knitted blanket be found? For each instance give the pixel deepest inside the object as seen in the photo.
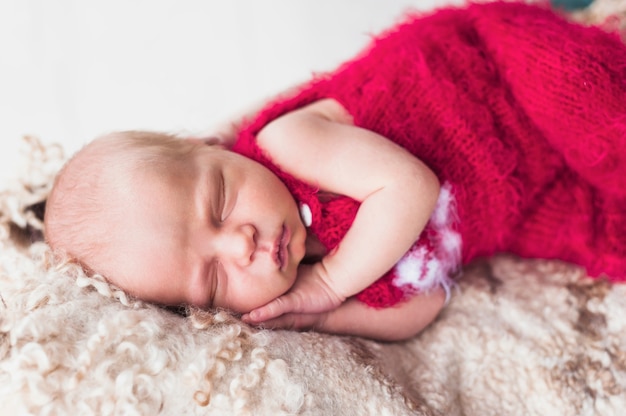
(523, 112)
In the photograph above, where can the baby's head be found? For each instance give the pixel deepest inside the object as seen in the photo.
(176, 221)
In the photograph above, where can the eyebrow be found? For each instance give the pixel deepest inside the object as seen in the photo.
(199, 194)
(205, 193)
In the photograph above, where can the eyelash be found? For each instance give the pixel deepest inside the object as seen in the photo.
(222, 197)
(227, 202)
(215, 278)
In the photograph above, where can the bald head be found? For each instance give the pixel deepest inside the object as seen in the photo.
(94, 189)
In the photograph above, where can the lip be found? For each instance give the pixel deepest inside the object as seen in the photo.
(281, 254)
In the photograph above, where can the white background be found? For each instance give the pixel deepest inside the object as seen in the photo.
(72, 70)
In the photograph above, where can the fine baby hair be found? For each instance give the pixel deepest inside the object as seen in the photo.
(91, 189)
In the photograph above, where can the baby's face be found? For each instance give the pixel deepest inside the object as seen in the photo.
(224, 233)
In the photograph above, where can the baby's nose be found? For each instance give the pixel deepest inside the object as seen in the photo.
(239, 244)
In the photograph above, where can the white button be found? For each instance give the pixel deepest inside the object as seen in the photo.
(306, 215)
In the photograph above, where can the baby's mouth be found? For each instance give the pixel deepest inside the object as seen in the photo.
(280, 253)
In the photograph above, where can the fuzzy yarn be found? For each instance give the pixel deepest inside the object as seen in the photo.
(522, 111)
(520, 337)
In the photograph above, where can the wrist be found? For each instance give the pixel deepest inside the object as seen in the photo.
(336, 289)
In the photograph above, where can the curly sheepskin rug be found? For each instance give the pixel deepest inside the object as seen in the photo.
(519, 337)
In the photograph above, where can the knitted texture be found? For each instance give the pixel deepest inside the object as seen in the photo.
(523, 112)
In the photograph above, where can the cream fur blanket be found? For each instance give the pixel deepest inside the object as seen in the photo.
(519, 337)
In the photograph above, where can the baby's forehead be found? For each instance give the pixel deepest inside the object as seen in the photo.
(131, 170)
(143, 164)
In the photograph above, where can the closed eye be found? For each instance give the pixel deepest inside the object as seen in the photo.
(212, 277)
(218, 274)
(228, 199)
(203, 287)
(222, 190)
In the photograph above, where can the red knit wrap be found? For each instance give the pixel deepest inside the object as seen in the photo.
(521, 111)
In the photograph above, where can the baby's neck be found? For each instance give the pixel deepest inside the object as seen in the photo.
(315, 250)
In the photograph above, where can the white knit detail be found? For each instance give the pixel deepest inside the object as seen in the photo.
(306, 214)
(424, 267)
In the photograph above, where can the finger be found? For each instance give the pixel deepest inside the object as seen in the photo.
(274, 309)
(292, 321)
(282, 322)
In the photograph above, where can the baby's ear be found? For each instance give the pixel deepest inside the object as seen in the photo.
(208, 140)
(213, 140)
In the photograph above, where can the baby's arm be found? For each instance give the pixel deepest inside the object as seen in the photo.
(353, 317)
(319, 145)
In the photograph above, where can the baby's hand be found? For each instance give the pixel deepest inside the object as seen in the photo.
(310, 294)
(297, 321)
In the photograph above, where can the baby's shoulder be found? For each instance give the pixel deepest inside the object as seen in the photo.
(327, 109)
